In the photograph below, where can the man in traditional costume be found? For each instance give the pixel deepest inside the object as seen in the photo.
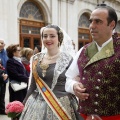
(97, 65)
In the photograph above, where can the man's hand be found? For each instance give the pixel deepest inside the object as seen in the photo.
(79, 91)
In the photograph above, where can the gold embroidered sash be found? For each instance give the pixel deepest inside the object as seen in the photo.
(49, 96)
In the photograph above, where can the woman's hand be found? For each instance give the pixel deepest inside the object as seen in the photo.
(5, 76)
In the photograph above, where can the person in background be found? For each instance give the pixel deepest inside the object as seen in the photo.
(16, 71)
(37, 49)
(3, 76)
(26, 54)
(3, 60)
(49, 70)
(97, 65)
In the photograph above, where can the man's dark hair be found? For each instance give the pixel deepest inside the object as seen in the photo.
(111, 13)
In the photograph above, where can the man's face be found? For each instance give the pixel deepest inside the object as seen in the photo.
(2, 44)
(99, 28)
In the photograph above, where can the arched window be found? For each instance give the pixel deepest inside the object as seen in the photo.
(31, 21)
(84, 36)
(84, 20)
(30, 10)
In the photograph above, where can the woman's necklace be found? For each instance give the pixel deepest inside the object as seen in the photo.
(44, 66)
(52, 57)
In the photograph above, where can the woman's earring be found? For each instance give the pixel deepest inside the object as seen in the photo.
(58, 44)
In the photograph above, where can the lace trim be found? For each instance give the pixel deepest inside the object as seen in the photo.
(61, 64)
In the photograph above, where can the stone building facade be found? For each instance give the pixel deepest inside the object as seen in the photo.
(21, 20)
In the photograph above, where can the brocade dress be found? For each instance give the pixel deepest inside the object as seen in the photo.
(35, 106)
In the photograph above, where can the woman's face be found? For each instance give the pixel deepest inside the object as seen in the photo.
(17, 53)
(50, 38)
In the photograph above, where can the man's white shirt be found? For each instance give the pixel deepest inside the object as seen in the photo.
(73, 70)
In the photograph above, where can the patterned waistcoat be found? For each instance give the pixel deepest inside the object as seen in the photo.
(100, 75)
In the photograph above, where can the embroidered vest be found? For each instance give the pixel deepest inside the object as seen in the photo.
(100, 75)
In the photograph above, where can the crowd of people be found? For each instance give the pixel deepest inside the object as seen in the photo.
(96, 66)
(55, 73)
(14, 65)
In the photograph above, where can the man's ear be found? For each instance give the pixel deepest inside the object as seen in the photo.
(112, 24)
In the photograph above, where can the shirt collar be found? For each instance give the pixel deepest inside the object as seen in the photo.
(104, 44)
(17, 58)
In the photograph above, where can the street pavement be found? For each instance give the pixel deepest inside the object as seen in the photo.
(4, 117)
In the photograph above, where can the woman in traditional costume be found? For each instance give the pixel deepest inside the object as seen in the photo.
(46, 98)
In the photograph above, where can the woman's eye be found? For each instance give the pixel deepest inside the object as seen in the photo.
(45, 36)
(52, 36)
(49, 36)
